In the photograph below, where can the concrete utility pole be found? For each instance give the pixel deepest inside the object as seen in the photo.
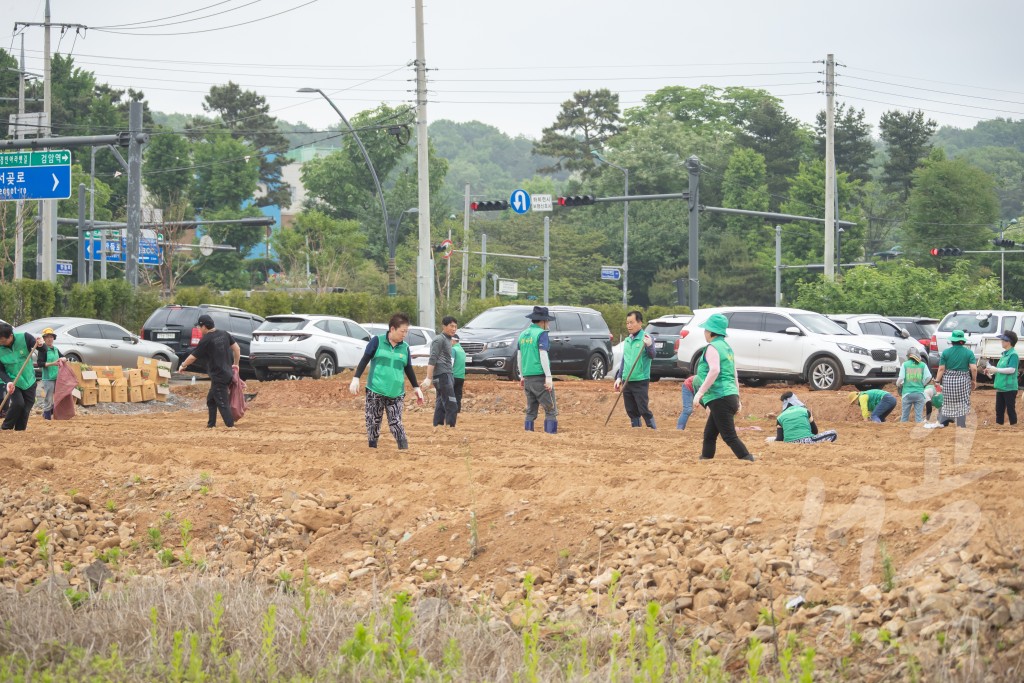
(19, 219)
(778, 265)
(134, 194)
(465, 252)
(830, 167)
(425, 262)
(49, 224)
(693, 203)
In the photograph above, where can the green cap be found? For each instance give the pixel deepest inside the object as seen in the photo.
(716, 324)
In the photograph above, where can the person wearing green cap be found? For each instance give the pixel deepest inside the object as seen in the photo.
(914, 376)
(718, 390)
(958, 375)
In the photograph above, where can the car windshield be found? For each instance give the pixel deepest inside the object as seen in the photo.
(819, 324)
(282, 325)
(499, 319)
(979, 323)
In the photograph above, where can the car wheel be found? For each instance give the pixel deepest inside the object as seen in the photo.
(752, 382)
(73, 357)
(513, 369)
(655, 378)
(261, 374)
(325, 366)
(597, 367)
(824, 374)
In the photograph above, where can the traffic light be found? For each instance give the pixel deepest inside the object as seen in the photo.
(947, 251)
(576, 200)
(1008, 244)
(493, 205)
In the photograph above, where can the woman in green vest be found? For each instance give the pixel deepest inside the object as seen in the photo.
(458, 370)
(795, 423)
(914, 375)
(390, 364)
(49, 361)
(958, 375)
(18, 375)
(718, 390)
(1005, 382)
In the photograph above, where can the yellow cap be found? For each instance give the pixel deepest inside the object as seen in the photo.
(49, 331)
(853, 396)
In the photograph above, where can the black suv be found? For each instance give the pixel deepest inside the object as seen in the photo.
(665, 332)
(581, 343)
(177, 326)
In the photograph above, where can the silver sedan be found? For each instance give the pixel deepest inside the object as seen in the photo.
(98, 342)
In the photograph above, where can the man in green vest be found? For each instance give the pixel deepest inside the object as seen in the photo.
(535, 370)
(19, 376)
(633, 376)
(914, 375)
(49, 361)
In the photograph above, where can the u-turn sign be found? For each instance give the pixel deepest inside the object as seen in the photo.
(520, 201)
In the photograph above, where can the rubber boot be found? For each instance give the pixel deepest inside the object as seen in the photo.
(650, 423)
(634, 422)
(372, 444)
(47, 414)
(528, 425)
(551, 426)
(403, 444)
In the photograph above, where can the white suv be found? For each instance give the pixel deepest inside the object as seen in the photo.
(794, 345)
(306, 345)
(883, 328)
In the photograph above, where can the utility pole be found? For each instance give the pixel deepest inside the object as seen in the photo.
(465, 253)
(134, 194)
(483, 265)
(778, 265)
(693, 203)
(547, 256)
(830, 167)
(425, 262)
(19, 220)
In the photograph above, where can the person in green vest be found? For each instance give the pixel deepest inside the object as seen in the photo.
(390, 364)
(718, 390)
(795, 423)
(633, 377)
(914, 376)
(875, 404)
(535, 370)
(1005, 378)
(18, 375)
(933, 400)
(458, 370)
(958, 375)
(49, 361)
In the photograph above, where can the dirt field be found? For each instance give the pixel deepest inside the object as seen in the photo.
(295, 484)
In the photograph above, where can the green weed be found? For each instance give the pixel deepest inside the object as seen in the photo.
(156, 538)
(110, 505)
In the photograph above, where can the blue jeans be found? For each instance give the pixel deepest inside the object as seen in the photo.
(687, 408)
(916, 401)
(883, 408)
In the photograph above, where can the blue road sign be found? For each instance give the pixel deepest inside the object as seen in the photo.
(35, 175)
(149, 251)
(63, 267)
(611, 273)
(520, 201)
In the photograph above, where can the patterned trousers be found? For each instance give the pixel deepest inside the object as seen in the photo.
(376, 407)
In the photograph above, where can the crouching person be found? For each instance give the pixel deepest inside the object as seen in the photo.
(795, 423)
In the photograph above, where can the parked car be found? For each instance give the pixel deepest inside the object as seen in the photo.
(177, 327)
(580, 341)
(922, 329)
(883, 328)
(666, 332)
(418, 339)
(794, 345)
(98, 342)
(306, 345)
(981, 330)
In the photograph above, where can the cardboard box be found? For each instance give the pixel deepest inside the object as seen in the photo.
(110, 372)
(76, 368)
(163, 373)
(163, 392)
(103, 390)
(148, 390)
(90, 395)
(88, 375)
(119, 391)
(135, 378)
(135, 394)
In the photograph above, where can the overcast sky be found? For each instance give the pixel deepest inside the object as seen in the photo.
(512, 64)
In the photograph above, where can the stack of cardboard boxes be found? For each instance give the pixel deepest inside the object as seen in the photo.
(150, 381)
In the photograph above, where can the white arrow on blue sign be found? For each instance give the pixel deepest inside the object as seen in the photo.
(520, 201)
(611, 273)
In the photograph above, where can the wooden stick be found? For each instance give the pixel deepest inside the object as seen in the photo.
(619, 393)
(9, 394)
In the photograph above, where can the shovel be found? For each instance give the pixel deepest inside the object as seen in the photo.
(7, 396)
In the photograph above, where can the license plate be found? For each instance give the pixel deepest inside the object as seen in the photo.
(165, 335)
(469, 360)
(889, 368)
(659, 345)
(270, 339)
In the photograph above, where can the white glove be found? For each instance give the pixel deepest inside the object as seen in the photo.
(426, 382)
(549, 383)
(618, 383)
(419, 395)
(353, 386)
(10, 387)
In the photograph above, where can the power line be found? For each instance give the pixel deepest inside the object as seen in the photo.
(211, 30)
(174, 16)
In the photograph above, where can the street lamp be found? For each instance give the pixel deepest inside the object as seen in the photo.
(1002, 260)
(392, 245)
(625, 227)
(373, 172)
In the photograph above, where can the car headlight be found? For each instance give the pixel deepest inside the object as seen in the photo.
(850, 348)
(499, 344)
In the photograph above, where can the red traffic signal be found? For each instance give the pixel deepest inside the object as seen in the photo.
(947, 251)
(576, 200)
(492, 205)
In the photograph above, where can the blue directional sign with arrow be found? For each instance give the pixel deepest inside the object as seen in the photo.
(611, 273)
(149, 250)
(520, 201)
(35, 175)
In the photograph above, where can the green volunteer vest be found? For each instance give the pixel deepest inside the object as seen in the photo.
(458, 362)
(387, 368)
(874, 396)
(913, 377)
(528, 346)
(12, 357)
(796, 423)
(725, 385)
(52, 354)
(958, 357)
(1009, 359)
(631, 350)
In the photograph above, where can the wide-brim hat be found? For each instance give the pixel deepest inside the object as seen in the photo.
(853, 396)
(48, 332)
(716, 324)
(539, 313)
(957, 337)
(914, 353)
